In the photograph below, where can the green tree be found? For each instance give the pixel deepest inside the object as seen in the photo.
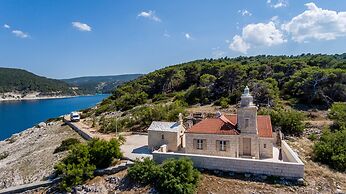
(289, 121)
(266, 92)
(338, 114)
(207, 80)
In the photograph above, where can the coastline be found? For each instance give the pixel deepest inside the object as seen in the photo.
(32, 98)
(35, 98)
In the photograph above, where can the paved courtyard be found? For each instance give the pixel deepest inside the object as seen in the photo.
(136, 146)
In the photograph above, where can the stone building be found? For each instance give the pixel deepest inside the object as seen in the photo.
(166, 133)
(245, 134)
(242, 143)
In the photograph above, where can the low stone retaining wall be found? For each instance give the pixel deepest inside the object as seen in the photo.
(26, 187)
(80, 132)
(290, 170)
(113, 169)
(288, 154)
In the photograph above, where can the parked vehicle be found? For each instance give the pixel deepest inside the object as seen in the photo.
(74, 116)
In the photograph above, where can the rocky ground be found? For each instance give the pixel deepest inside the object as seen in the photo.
(28, 156)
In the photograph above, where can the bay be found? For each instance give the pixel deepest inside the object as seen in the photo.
(16, 116)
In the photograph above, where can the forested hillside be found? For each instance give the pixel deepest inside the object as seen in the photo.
(308, 79)
(100, 84)
(291, 89)
(18, 80)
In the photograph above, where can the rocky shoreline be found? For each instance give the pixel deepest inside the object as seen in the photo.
(28, 156)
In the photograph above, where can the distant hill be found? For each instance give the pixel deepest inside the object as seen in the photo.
(100, 84)
(24, 82)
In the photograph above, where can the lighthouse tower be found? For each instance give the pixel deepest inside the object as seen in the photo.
(247, 114)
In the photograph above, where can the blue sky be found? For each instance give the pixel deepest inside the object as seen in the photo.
(69, 38)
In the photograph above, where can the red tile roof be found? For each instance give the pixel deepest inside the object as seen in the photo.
(226, 125)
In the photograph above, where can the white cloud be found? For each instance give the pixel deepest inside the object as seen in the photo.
(81, 26)
(238, 44)
(150, 15)
(245, 12)
(316, 23)
(188, 36)
(20, 34)
(260, 34)
(7, 26)
(277, 3)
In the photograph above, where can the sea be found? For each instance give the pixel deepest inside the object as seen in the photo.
(16, 116)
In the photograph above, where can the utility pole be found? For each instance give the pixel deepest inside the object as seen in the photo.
(116, 125)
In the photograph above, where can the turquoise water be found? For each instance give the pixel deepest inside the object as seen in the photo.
(16, 116)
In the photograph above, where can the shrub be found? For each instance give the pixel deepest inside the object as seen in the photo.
(103, 152)
(312, 136)
(173, 176)
(66, 144)
(83, 159)
(331, 149)
(4, 155)
(178, 176)
(75, 168)
(224, 102)
(144, 172)
(338, 114)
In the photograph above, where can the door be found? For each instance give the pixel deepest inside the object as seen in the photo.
(247, 146)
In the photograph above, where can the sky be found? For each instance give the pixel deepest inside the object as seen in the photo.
(72, 38)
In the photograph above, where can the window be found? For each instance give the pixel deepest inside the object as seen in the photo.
(265, 145)
(200, 144)
(222, 145)
(246, 123)
(162, 136)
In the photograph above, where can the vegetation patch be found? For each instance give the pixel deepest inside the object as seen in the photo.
(308, 79)
(143, 116)
(290, 122)
(4, 155)
(173, 176)
(83, 159)
(331, 148)
(66, 145)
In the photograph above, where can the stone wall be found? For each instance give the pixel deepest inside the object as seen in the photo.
(171, 139)
(293, 169)
(211, 148)
(288, 154)
(266, 147)
(80, 132)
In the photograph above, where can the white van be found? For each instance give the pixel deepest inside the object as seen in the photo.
(74, 116)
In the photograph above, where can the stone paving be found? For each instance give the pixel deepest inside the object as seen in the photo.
(136, 146)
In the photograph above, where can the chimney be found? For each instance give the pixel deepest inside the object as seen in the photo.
(181, 119)
(218, 114)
